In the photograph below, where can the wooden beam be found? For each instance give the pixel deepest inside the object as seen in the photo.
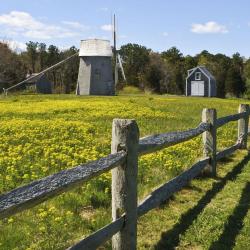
(230, 118)
(228, 151)
(165, 191)
(101, 236)
(41, 73)
(243, 124)
(158, 196)
(125, 135)
(154, 143)
(41, 190)
(209, 140)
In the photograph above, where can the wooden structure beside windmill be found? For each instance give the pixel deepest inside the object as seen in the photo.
(38, 84)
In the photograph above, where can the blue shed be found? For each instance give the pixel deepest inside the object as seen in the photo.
(39, 84)
(200, 82)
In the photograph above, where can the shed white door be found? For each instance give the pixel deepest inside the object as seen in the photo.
(197, 88)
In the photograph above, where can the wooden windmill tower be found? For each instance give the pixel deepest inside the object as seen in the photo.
(95, 75)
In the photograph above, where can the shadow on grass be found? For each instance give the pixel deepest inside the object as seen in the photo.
(171, 238)
(234, 223)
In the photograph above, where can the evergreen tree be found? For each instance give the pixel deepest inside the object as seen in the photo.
(42, 55)
(135, 60)
(32, 53)
(234, 83)
(174, 61)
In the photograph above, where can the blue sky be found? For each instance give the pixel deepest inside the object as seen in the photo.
(218, 26)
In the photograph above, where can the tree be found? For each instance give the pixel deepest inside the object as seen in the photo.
(135, 59)
(247, 70)
(189, 62)
(237, 62)
(174, 62)
(70, 70)
(42, 55)
(172, 55)
(156, 76)
(219, 70)
(246, 74)
(53, 57)
(234, 83)
(12, 69)
(32, 53)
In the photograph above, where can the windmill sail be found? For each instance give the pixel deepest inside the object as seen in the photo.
(115, 53)
(117, 57)
(121, 67)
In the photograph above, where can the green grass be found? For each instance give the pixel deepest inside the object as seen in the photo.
(41, 135)
(208, 214)
(130, 90)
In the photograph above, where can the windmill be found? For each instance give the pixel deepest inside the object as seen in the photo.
(95, 76)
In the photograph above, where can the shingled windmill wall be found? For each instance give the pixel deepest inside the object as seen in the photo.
(95, 75)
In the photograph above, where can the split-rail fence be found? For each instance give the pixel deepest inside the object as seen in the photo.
(123, 161)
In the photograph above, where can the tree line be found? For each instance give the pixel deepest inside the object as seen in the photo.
(14, 67)
(166, 72)
(161, 73)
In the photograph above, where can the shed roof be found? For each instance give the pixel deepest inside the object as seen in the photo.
(202, 69)
(95, 47)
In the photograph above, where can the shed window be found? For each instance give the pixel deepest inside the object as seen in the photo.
(198, 76)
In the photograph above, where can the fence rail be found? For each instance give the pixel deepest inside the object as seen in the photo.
(38, 191)
(126, 148)
(154, 143)
(230, 118)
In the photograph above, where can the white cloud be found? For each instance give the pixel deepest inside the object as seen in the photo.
(209, 27)
(18, 23)
(107, 27)
(165, 33)
(14, 45)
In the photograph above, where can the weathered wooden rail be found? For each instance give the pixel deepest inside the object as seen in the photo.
(123, 162)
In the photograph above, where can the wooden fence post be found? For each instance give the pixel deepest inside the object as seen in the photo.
(125, 135)
(209, 140)
(243, 125)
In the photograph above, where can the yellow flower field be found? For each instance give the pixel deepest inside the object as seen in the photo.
(41, 135)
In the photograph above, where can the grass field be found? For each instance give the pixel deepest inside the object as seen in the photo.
(41, 135)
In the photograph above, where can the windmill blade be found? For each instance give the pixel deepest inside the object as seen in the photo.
(116, 71)
(121, 67)
(115, 51)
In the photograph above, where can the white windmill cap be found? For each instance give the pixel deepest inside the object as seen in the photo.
(95, 47)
